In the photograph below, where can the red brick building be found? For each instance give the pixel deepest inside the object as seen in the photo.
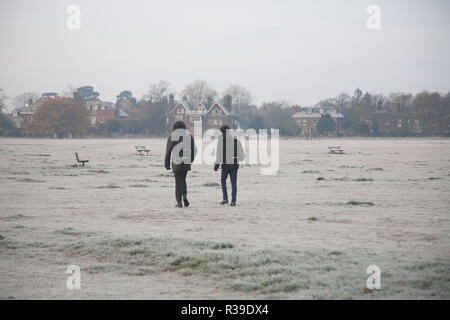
(307, 119)
(101, 111)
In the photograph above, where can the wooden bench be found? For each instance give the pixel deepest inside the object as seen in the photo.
(80, 161)
(336, 149)
(141, 149)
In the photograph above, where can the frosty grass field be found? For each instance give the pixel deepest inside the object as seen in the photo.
(309, 232)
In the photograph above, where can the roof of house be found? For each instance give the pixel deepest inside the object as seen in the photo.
(191, 108)
(187, 105)
(315, 115)
(311, 115)
(221, 106)
(122, 114)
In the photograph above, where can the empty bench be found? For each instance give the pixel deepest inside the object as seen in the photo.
(336, 149)
(141, 149)
(80, 161)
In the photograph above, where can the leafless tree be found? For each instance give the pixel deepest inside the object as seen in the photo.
(3, 97)
(240, 95)
(69, 93)
(158, 91)
(343, 101)
(22, 99)
(198, 91)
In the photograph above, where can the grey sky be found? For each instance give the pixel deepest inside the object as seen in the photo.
(301, 51)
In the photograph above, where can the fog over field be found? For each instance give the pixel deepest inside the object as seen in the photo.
(302, 51)
(310, 231)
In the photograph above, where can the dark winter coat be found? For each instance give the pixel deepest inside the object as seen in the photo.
(179, 162)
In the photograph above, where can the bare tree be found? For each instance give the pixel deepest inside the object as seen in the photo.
(241, 96)
(342, 101)
(374, 101)
(158, 91)
(198, 91)
(3, 97)
(70, 92)
(22, 99)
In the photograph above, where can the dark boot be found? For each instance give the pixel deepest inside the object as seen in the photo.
(179, 205)
(232, 204)
(224, 202)
(186, 202)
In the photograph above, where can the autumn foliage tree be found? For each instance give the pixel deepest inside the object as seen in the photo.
(60, 117)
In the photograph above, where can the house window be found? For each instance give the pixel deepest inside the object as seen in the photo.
(217, 111)
(304, 122)
(195, 118)
(399, 123)
(215, 121)
(180, 110)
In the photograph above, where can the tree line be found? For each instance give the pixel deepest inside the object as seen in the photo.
(67, 115)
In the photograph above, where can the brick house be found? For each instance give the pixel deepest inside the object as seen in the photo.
(101, 111)
(21, 116)
(307, 119)
(211, 114)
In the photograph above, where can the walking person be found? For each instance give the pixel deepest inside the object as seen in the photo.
(180, 153)
(229, 153)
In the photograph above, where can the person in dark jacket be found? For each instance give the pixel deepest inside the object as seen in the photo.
(180, 153)
(228, 154)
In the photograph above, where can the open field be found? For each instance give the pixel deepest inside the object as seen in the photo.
(309, 232)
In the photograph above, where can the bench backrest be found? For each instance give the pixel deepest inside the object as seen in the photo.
(78, 159)
(142, 148)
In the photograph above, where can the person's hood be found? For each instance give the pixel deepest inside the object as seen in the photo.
(179, 125)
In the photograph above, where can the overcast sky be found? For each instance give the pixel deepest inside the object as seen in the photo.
(301, 51)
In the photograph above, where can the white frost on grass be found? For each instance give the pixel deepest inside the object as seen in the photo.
(290, 236)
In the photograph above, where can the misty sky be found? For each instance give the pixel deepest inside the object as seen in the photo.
(301, 51)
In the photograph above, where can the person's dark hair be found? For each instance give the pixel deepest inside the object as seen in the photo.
(178, 125)
(224, 129)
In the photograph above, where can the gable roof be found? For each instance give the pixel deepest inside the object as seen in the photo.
(184, 103)
(221, 106)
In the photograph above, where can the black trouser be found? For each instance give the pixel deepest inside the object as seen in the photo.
(180, 184)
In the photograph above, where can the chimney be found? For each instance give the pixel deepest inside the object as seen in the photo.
(227, 102)
(395, 106)
(30, 102)
(117, 110)
(171, 100)
(210, 102)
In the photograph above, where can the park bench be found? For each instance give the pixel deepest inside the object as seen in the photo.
(336, 149)
(80, 161)
(141, 149)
